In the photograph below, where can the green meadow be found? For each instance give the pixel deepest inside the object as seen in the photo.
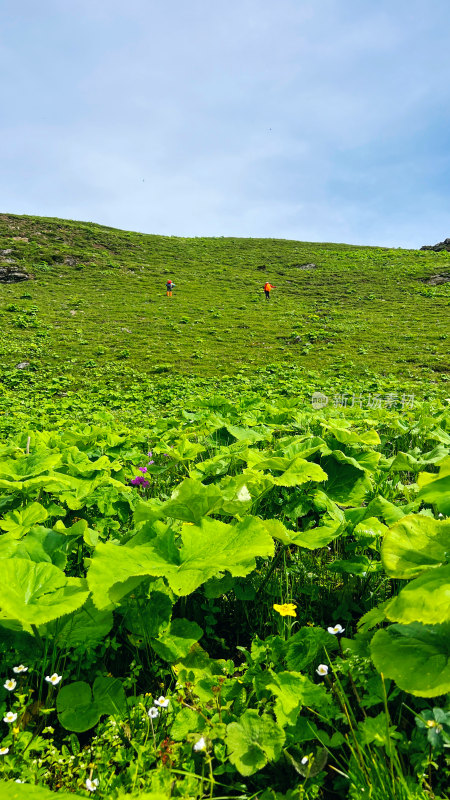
(224, 522)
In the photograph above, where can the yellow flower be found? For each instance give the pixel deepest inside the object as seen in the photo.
(286, 610)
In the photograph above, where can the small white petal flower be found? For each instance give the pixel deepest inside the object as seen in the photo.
(10, 684)
(19, 781)
(162, 702)
(91, 786)
(4, 751)
(322, 669)
(10, 717)
(153, 713)
(53, 679)
(20, 669)
(337, 629)
(200, 745)
(304, 760)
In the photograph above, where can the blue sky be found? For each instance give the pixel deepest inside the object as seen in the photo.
(316, 120)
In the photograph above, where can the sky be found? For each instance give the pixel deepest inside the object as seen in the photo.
(314, 120)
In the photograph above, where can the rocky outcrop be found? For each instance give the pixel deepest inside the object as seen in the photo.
(437, 280)
(13, 274)
(445, 245)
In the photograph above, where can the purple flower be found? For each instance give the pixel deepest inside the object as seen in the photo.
(150, 462)
(150, 454)
(139, 480)
(142, 469)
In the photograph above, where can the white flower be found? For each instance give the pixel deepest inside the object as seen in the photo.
(304, 760)
(19, 781)
(91, 786)
(337, 629)
(162, 702)
(10, 684)
(4, 751)
(10, 717)
(200, 745)
(322, 669)
(54, 680)
(153, 713)
(20, 669)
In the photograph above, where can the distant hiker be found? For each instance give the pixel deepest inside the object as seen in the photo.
(267, 289)
(169, 287)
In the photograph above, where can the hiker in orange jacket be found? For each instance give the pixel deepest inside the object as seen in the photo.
(267, 289)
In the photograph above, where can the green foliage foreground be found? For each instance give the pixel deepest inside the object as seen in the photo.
(249, 599)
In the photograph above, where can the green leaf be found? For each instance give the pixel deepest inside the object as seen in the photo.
(186, 721)
(175, 643)
(148, 618)
(207, 549)
(416, 657)
(318, 537)
(425, 599)
(20, 521)
(38, 593)
(253, 741)
(300, 471)
(304, 647)
(79, 708)
(376, 730)
(415, 543)
(435, 490)
(346, 484)
(20, 469)
(10, 790)
(86, 627)
(347, 436)
(191, 501)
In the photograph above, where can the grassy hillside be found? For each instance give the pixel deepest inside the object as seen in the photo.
(97, 304)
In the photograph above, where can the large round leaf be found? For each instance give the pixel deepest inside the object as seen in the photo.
(415, 543)
(253, 741)
(79, 708)
(38, 593)
(425, 599)
(416, 657)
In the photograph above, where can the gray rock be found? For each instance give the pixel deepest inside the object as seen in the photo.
(23, 365)
(445, 245)
(436, 280)
(13, 275)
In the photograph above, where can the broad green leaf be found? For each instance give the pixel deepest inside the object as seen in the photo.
(346, 484)
(425, 599)
(371, 526)
(305, 646)
(253, 741)
(148, 618)
(24, 467)
(414, 544)
(176, 642)
(435, 489)
(79, 708)
(206, 549)
(20, 521)
(416, 657)
(348, 436)
(191, 501)
(186, 721)
(314, 538)
(86, 627)
(10, 790)
(40, 545)
(300, 471)
(38, 593)
(294, 690)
